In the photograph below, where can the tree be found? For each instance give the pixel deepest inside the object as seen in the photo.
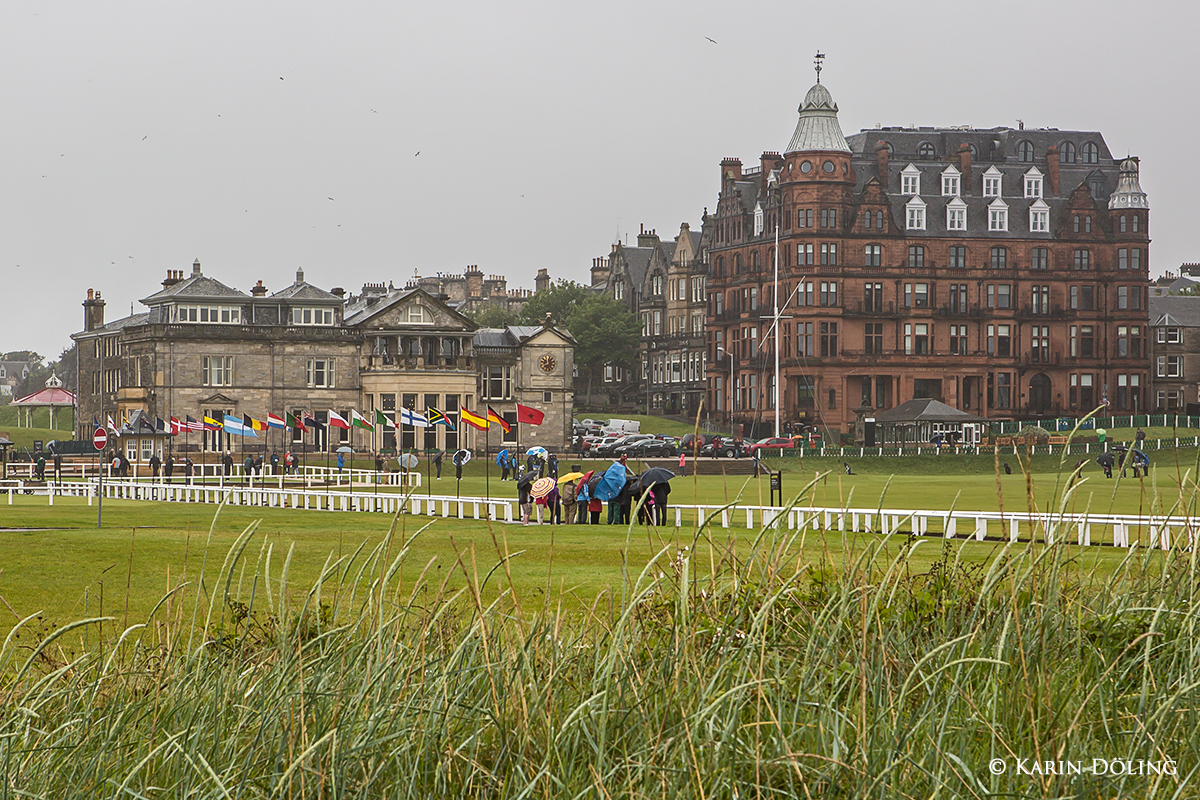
(493, 317)
(606, 332)
(557, 299)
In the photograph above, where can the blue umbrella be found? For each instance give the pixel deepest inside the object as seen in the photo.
(501, 457)
(536, 451)
(611, 484)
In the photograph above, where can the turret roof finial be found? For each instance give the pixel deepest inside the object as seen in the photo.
(819, 58)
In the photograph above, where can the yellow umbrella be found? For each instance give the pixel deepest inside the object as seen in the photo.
(570, 476)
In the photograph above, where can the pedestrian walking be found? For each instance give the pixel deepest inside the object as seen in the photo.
(248, 467)
(189, 467)
(341, 462)
(168, 467)
(523, 501)
(437, 462)
(274, 462)
(155, 464)
(227, 462)
(683, 463)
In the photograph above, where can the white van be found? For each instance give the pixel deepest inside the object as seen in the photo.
(621, 426)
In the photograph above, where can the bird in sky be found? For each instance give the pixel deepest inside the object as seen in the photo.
(280, 77)
(416, 154)
(373, 111)
(328, 198)
(714, 41)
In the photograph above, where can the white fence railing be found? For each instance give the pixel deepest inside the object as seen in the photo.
(1121, 530)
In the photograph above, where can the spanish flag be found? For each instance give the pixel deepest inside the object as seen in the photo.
(475, 422)
(495, 417)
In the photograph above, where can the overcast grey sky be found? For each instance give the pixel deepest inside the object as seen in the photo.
(141, 135)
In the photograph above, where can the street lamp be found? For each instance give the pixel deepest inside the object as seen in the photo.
(731, 389)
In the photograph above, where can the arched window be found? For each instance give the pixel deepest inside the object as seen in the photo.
(1122, 223)
(755, 260)
(1091, 153)
(1025, 151)
(867, 220)
(720, 265)
(926, 151)
(1066, 153)
(890, 149)
(737, 263)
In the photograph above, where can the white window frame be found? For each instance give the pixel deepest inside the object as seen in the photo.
(216, 370)
(419, 315)
(956, 215)
(758, 219)
(207, 314)
(312, 315)
(997, 216)
(910, 180)
(1033, 183)
(914, 214)
(1039, 217)
(327, 367)
(951, 182)
(993, 182)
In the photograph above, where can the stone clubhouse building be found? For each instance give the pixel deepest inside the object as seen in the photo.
(206, 349)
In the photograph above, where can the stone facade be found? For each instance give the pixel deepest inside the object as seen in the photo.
(1174, 344)
(207, 349)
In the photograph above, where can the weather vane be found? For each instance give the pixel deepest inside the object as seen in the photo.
(820, 57)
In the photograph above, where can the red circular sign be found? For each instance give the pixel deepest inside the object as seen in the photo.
(100, 438)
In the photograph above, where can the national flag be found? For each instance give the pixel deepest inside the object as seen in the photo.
(311, 422)
(410, 417)
(359, 421)
(113, 428)
(338, 421)
(494, 416)
(193, 424)
(176, 426)
(294, 422)
(382, 420)
(144, 422)
(474, 421)
(159, 425)
(438, 418)
(529, 416)
(95, 423)
(238, 427)
(211, 424)
(274, 421)
(253, 424)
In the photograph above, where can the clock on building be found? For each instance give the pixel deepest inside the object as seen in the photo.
(547, 363)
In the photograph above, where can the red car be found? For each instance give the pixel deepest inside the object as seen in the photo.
(772, 445)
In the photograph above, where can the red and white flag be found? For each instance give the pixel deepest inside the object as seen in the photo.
(338, 421)
(176, 426)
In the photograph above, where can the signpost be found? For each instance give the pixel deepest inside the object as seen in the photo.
(100, 441)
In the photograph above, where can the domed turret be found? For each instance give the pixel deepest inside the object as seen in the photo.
(818, 128)
(1129, 192)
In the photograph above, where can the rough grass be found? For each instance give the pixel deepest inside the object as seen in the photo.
(703, 673)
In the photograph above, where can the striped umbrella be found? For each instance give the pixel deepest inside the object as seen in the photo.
(541, 487)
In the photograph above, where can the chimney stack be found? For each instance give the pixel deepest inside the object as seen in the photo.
(881, 163)
(174, 276)
(731, 169)
(259, 290)
(964, 165)
(93, 311)
(542, 281)
(338, 291)
(1052, 160)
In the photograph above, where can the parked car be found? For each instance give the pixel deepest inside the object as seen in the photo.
(688, 442)
(624, 426)
(608, 448)
(647, 447)
(591, 427)
(724, 447)
(772, 445)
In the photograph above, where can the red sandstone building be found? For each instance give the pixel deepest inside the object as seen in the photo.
(1002, 271)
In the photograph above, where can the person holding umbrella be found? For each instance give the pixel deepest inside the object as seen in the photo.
(523, 499)
(1106, 461)
(567, 493)
(169, 467)
(437, 462)
(502, 463)
(544, 492)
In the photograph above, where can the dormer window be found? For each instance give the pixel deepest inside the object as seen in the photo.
(312, 316)
(956, 215)
(222, 315)
(1025, 151)
(1033, 183)
(910, 180)
(1090, 153)
(998, 216)
(991, 182)
(950, 182)
(915, 214)
(758, 220)
(926, 151)
(1039, 217)
(1066, 153)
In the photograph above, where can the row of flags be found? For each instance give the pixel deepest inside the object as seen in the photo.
(246, 425)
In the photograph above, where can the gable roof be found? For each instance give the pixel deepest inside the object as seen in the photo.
(1175, 311)
(360, 310)
(200, 287)
(925, 409)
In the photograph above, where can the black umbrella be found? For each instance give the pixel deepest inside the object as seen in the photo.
(1106, 459)
(1121, 447)
(526, 479)
(655, 475)
(593, 482)
(461, 457)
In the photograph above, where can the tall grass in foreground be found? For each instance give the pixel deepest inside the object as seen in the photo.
(742, 676)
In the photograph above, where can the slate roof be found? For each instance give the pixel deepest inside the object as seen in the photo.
(1183, 312)
(925, 409)
(118, 324)
(200, 287)
(637, 260)
(306, 291)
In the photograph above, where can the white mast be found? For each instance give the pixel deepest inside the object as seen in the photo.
(775, 299)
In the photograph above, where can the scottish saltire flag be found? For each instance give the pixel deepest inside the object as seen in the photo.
(410, 417)
(237, 427)
(275, 422)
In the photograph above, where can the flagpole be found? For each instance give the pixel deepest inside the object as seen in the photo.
(487, 471)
